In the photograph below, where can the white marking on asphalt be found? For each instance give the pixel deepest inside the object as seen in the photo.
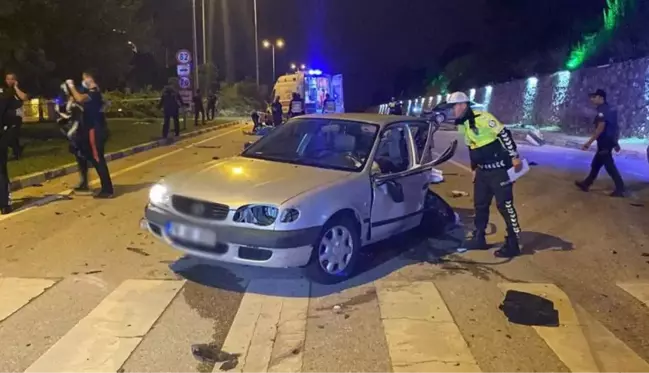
(421, 333)
(567, 340)
(66, 193)
(270, 329)
(103, 340)
(611, 354)
(639, 291)
(15, 293)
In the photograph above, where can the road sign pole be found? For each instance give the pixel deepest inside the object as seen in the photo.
(195, 43)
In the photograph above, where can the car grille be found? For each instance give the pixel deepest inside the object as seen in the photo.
(200, 209)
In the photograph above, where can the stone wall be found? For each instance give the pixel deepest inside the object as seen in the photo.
(561, 99)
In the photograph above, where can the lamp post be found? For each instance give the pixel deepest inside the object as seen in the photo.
(195, 53)
(256, 41)
(293, 67)
(302, 67)
(279, 43)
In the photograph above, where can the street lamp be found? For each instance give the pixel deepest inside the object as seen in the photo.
(303, 67)
(279, 43)
(293, 67)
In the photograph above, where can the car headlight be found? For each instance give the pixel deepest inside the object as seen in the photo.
(159, 195)
(262, 215)
(289, 215)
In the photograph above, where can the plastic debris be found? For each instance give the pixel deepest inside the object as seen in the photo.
(459, 193)
(210, 354)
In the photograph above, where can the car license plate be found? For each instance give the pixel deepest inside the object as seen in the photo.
(191, 234)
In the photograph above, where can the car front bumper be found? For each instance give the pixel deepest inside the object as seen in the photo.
(241, 245)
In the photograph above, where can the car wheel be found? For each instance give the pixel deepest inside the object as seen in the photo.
(438, 216)
(335, 252)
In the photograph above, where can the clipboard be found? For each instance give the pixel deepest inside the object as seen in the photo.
(513, 175)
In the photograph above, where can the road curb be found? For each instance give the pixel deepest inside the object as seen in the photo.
(43, 176)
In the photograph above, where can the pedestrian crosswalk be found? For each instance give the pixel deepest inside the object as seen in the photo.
(269, 331)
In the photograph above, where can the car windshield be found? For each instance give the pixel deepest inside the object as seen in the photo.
(325, 143)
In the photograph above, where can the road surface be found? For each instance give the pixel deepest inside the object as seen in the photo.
(83, 289)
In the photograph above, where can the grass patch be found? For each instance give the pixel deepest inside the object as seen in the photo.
(45, 147)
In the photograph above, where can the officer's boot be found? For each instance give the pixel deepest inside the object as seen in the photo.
(510, 249)
(478, 241)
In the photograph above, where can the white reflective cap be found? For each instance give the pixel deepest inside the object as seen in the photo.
(458, 98)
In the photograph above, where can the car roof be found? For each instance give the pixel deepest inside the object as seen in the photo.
(380, 120)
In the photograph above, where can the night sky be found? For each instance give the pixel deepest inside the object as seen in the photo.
(370, 41)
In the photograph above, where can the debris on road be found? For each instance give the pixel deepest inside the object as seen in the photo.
(215, 158)
(93, 272)
(637, 204)
(211, 354)
(533, 163)
(137, 251)
(337, 309)
(529, 309)
(645, 254)
(459, 193)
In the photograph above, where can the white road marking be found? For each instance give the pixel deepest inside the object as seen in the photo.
(567, 340)
(639, 291)
(420, 331)
(15, 293)
(93, 182)
(103, 340)
(270, 329)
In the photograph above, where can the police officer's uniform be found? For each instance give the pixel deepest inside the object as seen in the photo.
(329, 105)
(8, 129)
(296, 106)
(491, 148)
(395, 108)
(606, 142)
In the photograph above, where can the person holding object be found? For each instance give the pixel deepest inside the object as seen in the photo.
(606, 134)
(493, 152)
(92, 135)
(15, 115)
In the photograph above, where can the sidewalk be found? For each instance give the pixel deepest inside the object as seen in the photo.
(631, 148)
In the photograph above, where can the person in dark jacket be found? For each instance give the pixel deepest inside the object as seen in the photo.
(606, 134)
(329, 104)
(170, 103)
(277, 111)
(199, 108)
(16, 114)
(211, 105)
(92, 134)
(8, 129)
(395, 107)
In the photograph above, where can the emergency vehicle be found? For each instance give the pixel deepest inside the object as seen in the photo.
(313, 86)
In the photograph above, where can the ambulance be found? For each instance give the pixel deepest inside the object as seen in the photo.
(313, 86)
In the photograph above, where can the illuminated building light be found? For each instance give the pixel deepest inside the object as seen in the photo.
(560, 93)
(529, 99)
(643, 130)
(409, 107)
(487, 96)
(439, 99)
(315, 72)
(472, 94)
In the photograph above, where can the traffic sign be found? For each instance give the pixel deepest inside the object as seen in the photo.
(183, 56)
(184, 83)
(184, 70)
(186, 96)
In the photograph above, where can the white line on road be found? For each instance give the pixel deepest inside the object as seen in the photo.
(15, 293)
(637, 290)
(270, 329)
(421, 333)
(65, 193)
(103, 340)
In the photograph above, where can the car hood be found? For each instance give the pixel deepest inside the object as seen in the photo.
(240, 181)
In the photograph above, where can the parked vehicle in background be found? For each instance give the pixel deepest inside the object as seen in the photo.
(313, 86)
(311, 193)
(443, 112)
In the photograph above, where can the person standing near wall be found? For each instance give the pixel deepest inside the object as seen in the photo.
(606, 134)
(15, 115)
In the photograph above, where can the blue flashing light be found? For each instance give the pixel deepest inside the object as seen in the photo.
(315, 72)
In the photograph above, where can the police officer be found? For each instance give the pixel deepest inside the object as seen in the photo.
(199, 108)
(170, 102)
(7, 133)
(211, 105)
(92, 135)
(296, 106)
(329, 104)
(492, 151)
(606, 135)
(15, 115)
(395, 107)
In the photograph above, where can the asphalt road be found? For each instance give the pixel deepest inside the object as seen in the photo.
(83, 289)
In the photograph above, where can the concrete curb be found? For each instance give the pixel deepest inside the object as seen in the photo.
(40, 177)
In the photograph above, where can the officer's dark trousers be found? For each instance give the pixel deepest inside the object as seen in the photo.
(4, 177)
(277, 120)
(15, 142)
(489, 184)
(92, 148)
(165, 125)
(211, 112)
(604, 158)
(199, 110)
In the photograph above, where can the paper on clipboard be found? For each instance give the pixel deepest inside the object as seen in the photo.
(513, 175)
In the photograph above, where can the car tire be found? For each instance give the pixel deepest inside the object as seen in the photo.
(335, 226)
(438, 216)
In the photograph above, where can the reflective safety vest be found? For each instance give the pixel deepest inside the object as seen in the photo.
(330, 106)
(297, 107)
(486, 130)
